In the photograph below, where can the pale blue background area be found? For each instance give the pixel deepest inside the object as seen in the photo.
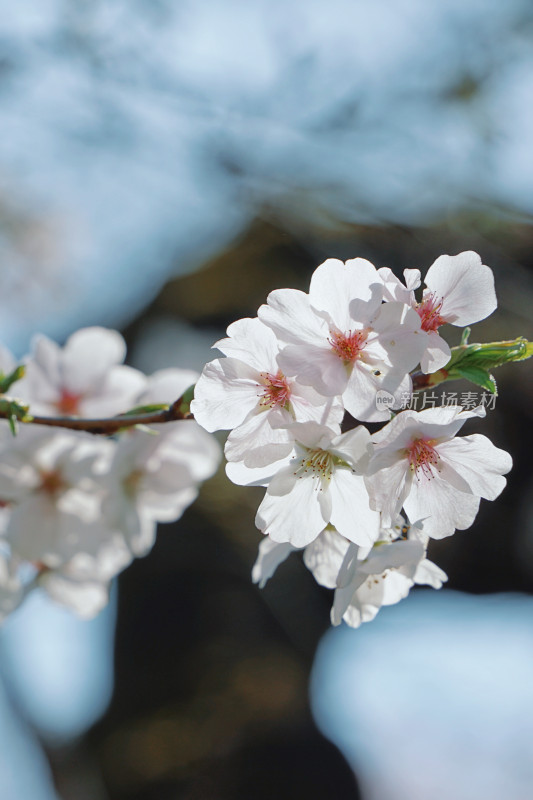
(58, 667)
(144, 136)
(434, 698)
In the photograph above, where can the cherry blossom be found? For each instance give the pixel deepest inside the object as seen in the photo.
(155, 477)
(364, 578)
(320, 482)
(48, 481)
(367, 580)
(341, 340)
(76, 509)
(418, 464)
(84, 378)
(459, 291)
(247, 391)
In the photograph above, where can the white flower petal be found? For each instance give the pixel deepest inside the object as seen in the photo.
(324, 557)
(335, 284)
(291, 317)
(307, 404)
(88, 354)
(167, 385)
(271, 555)
(355, 447)
(116, 393)
(294, 517)
(253, 342)
(242, 475)
(482, 465)
(429, 574)
(388, 489)
(85, 597)
(226, 392)
(442, 507)
(466, 286)
(395, 290)
(315, 365)
(360, 394)
(437, 352)
(441, 422)
(257, 443)
(406, 554)
(399, 332)
(312, 435)
(350, 509)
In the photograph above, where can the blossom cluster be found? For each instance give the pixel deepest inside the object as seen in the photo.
(75, 508)
(291, 387)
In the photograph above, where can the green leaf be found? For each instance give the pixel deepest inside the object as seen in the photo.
(478, 376)
(153, 409)
(475, 361)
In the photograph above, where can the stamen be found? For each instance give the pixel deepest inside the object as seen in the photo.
(423, 458)
(68, 403)
(52, 482)
(429, 312)
(348, 346)
(319, 463)
(276, 392)
(131, 482)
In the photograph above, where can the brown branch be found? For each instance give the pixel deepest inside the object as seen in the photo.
(110, 425)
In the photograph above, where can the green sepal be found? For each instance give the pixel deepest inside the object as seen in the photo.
(465, 336)
(6, 381)
(475, 361)
(184, 402)
(13, 411)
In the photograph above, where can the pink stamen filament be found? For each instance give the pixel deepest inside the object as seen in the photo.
(348, 346)
(429, 312)
(423, 457)
(276, 391)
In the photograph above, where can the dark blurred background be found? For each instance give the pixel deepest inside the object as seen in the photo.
(163, 166)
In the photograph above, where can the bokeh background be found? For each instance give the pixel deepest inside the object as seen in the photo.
(163, 165)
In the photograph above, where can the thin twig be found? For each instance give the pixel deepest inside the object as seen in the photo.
(110, 425)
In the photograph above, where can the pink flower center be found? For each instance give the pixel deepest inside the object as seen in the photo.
(68, 403)
(348, 346)
(275, 392)
(429, 312)
(423, 457)
(131, 482)
(52, 482)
